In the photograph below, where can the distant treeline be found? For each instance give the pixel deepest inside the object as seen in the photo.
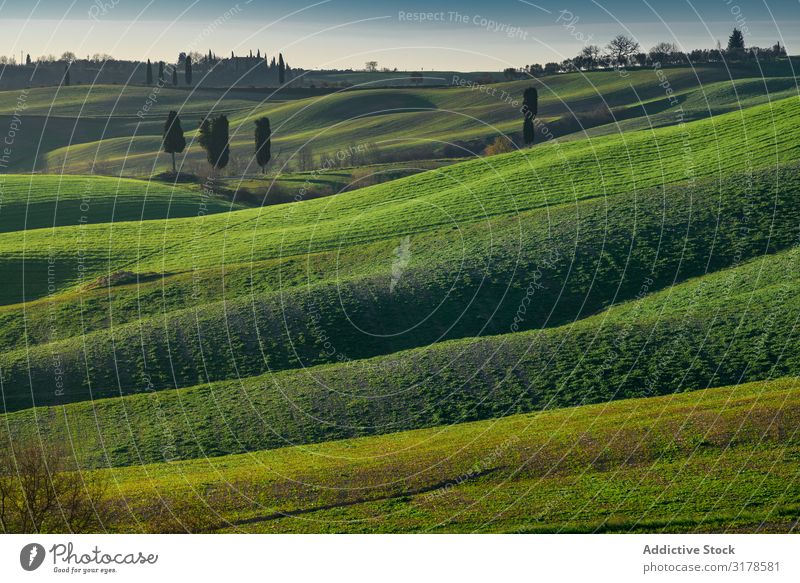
(188, 69)
(623, 51)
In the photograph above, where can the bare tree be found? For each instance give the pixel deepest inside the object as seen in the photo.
(305, 158)
(39, 493)
(590, 55)
(662, 52)
(621, 48)
(371, 66)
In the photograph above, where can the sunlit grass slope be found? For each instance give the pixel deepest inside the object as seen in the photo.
(418, 122)
(554, 174)
(716, 460)
(562, 264)
(56, 118)
(38, 201)
(733, 325)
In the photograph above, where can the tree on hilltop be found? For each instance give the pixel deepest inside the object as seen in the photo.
(149, 73)
(621, 48)
(662, 52)
(736, 42)
(281, 69)
(590, 56)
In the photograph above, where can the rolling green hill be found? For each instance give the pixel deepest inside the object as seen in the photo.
(62, 117)
(720, 460)
(572, 261)
(759, 137)
(32, 202)
(464, 285)
(522, 342)
(106, 101)
(733, 325)
(425, 122)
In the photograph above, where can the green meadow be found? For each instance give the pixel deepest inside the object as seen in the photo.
(594, 334)
(708, 461)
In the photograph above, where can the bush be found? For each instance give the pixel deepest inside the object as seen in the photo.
(500, 145)
(39, 493)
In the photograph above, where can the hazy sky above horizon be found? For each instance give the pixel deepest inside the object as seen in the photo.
(411, 34)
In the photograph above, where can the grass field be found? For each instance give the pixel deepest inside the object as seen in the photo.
(718, 329)
(719, 460)
(422, 123)
(59, 117)
(270, 251)
(759, 137)
(300, 312)
(525, 342)
(29, 202)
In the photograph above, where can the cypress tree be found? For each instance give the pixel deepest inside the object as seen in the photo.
(214, 140)
(161, 72)
(263, 137)
(149, 73)
(174, 142)
(281, 69)
(530, 107)
(28, 59)
(188, 70)
(219, 133)
(174, 76)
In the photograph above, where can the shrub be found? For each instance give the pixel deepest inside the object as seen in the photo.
(39, 493)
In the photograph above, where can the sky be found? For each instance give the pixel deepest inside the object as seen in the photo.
(464, 35)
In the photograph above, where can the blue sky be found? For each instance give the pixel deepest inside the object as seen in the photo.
(409, 34)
